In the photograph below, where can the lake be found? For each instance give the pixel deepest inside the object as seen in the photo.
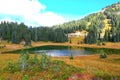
(68, 50)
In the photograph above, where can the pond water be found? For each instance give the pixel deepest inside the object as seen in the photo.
(68, 50)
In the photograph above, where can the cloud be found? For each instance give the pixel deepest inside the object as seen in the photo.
(31, 12)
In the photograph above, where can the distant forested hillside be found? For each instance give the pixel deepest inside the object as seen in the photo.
(103, 26)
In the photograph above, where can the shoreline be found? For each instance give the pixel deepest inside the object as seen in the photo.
(15, 47)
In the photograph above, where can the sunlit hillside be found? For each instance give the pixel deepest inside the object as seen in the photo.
(105, 20)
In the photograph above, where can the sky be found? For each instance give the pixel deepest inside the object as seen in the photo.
(49, 12)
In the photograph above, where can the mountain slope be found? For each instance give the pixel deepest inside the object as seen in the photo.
(101, 23)
(84, 23)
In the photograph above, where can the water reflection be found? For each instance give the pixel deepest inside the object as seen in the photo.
(68, 50)
(65, 52)
(75, 51)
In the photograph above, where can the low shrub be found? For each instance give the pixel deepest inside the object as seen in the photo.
(26, 77)
(71, 57)
(103, 55)
(45, 61)
(23, 60)
(35, 59)
(98, 43)
(103, 43)
(30, 68)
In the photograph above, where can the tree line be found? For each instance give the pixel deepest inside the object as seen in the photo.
(111, 35)
(15, 33)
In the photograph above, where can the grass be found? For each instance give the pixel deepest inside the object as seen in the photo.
(80, 67)
(89, 63)
(40, 70)
(79, 39)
